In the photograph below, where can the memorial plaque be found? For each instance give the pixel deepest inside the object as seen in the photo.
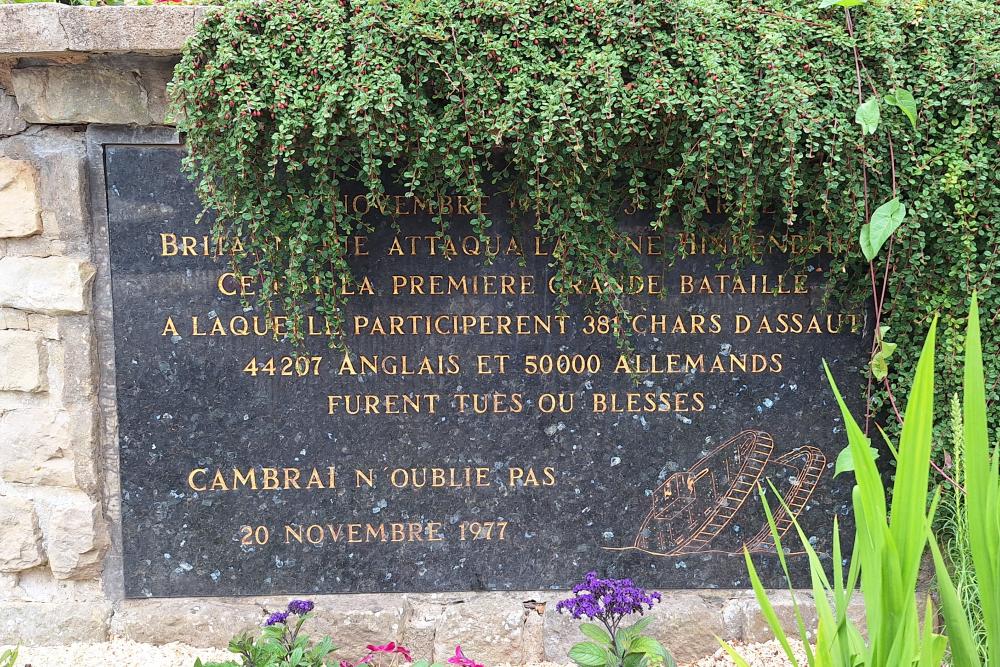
(475, 436)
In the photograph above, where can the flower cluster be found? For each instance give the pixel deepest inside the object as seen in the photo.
(607, 600)
(296, 607)
(374, 650)
(300, 607)
(276, 618)
(460, 659)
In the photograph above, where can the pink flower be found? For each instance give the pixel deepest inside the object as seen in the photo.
(460, 659)
(391, 647)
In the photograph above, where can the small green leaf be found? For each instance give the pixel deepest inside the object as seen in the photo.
(885, 350)
(868, 116)
(736, 657)
(596, 632)
(845, 460)
(903, 99)
(880, 360)
(885, 220)
(646, 646)
(880, 366)
(634, 660)
(588, 654)
(640, 625)
(625, 636)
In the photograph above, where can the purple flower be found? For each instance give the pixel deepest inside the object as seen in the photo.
(276, 617)
(300, 607)
(607, 600)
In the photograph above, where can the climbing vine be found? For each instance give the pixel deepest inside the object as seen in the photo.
(578, 109)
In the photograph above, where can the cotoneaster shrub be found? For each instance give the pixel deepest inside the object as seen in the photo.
(580, 108)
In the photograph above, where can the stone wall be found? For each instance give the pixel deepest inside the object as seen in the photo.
(53, 532)
(63, 69)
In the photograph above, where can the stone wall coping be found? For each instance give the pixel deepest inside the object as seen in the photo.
(50, 29)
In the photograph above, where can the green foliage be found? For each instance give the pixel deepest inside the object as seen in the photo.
(953, 532)
(113, 3)
(981, 520)
(8, 658)
(628, 648)
(578, 108)
(889, 543)
(841, 3)
(279, 645)
(868, 116)
(889, 546)
(883, 351)
(885, 221)
(83, 3)
(903, 99)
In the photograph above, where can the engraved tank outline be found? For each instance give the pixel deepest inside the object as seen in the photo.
(692, 508)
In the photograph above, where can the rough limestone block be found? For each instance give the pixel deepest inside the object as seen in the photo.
(46, 325)
(59, 155)
(533, 633)
(561, 632)
(8, 585)
(353, 621)
(37, 448)
(20, 536)
(423, 615)
(11, 318)
(49, 28)
(38, 585)
(747, 612)
(686, 623)
(75, 94)
(20, 211)
(22, 361)
(37, 29)
(489, 627)
(10, 117)
(76, 535)
(204, 623)
(73, 365)
(47, 624)
(49, 285)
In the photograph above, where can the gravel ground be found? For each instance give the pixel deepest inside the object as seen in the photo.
(118, 653)
(125, 653)
(768, 654)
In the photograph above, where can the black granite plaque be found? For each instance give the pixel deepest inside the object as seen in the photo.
(476, 437)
